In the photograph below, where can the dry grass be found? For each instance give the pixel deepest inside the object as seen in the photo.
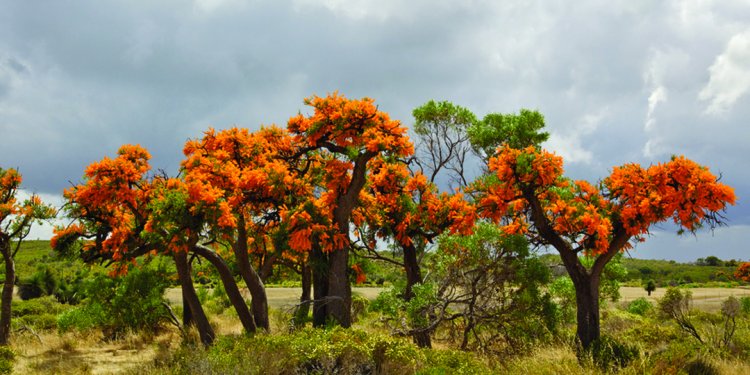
(77, 353)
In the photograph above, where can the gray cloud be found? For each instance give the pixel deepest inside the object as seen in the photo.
(618, 82)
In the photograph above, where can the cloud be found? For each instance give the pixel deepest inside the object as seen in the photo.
(729, 75)
(617, 82)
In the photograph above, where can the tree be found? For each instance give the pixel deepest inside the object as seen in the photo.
(122, 213)
(743, 272)
(16, 219)
(650, 286)
(528, 194)
(239, 181)
(343, 136)
(407, 208)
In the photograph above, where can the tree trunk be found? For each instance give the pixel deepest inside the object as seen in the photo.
(319, 265)
(413, 277)
(304, 301)
(7, 296)
(205, 330)
(339, 290)
(587, 303)
(187, 315)
(230, 286)
(252, 279)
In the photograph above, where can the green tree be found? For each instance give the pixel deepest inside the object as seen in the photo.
(650, 286)
(16, 219)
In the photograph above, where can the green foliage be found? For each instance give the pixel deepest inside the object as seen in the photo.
(609, 354)
(745, 305)
(133, 302)
(44, 282)
(517, 130)
(37, 313)
(664, 271)
(443, 113)
(649, 286)
(317, 351)
(640, 306)
(7, 359)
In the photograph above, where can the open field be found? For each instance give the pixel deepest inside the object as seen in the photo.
(278, 298)
(708, 299)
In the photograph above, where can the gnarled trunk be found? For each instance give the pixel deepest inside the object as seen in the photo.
(205, 330)
(230, 286)
(252, 279)
(7, 294)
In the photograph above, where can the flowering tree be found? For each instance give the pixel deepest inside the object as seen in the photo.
(16, 219)
(343, 136)
(122, 213)
(743, 272)
(527, 193)
(238, 181)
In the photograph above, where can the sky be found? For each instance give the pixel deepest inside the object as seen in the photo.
(618, 81)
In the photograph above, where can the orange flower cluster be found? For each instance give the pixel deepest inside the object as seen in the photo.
(115, 195)
(743, 272)
(681, 189)
(408, 205)
(633, 198)
(360, 274)
(19, 215)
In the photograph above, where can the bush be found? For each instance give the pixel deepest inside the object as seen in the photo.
(133, 302)
(7, 358)
(700, 366)
(640, 306)
(42, 283)
(745, 305)
(609, 354)
(317, 351)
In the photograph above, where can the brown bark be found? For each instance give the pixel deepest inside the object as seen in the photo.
(230, 286)
(7, 294)
(205, 330)
(304, 300)
(319, 265)
(414, 277)
(253, 281)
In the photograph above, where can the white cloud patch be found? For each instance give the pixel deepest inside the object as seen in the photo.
(729, 75)
(569, 143)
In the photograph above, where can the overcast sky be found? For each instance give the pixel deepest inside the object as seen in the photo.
(618, 81)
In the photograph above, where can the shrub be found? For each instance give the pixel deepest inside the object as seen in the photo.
(640, 306)
(700, 366)
(745, 305)
(7, 358)
(43, 282)
(609, 354)
(133, 302)
(318, 351)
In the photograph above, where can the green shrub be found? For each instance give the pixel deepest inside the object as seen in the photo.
(701, 366)
(133, 302)
(43, 282)
(745, 305)
(318, 351)
(640, 306)
(609, 354)
(7, 358)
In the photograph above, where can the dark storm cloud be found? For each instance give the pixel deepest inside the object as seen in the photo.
(618, 82)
